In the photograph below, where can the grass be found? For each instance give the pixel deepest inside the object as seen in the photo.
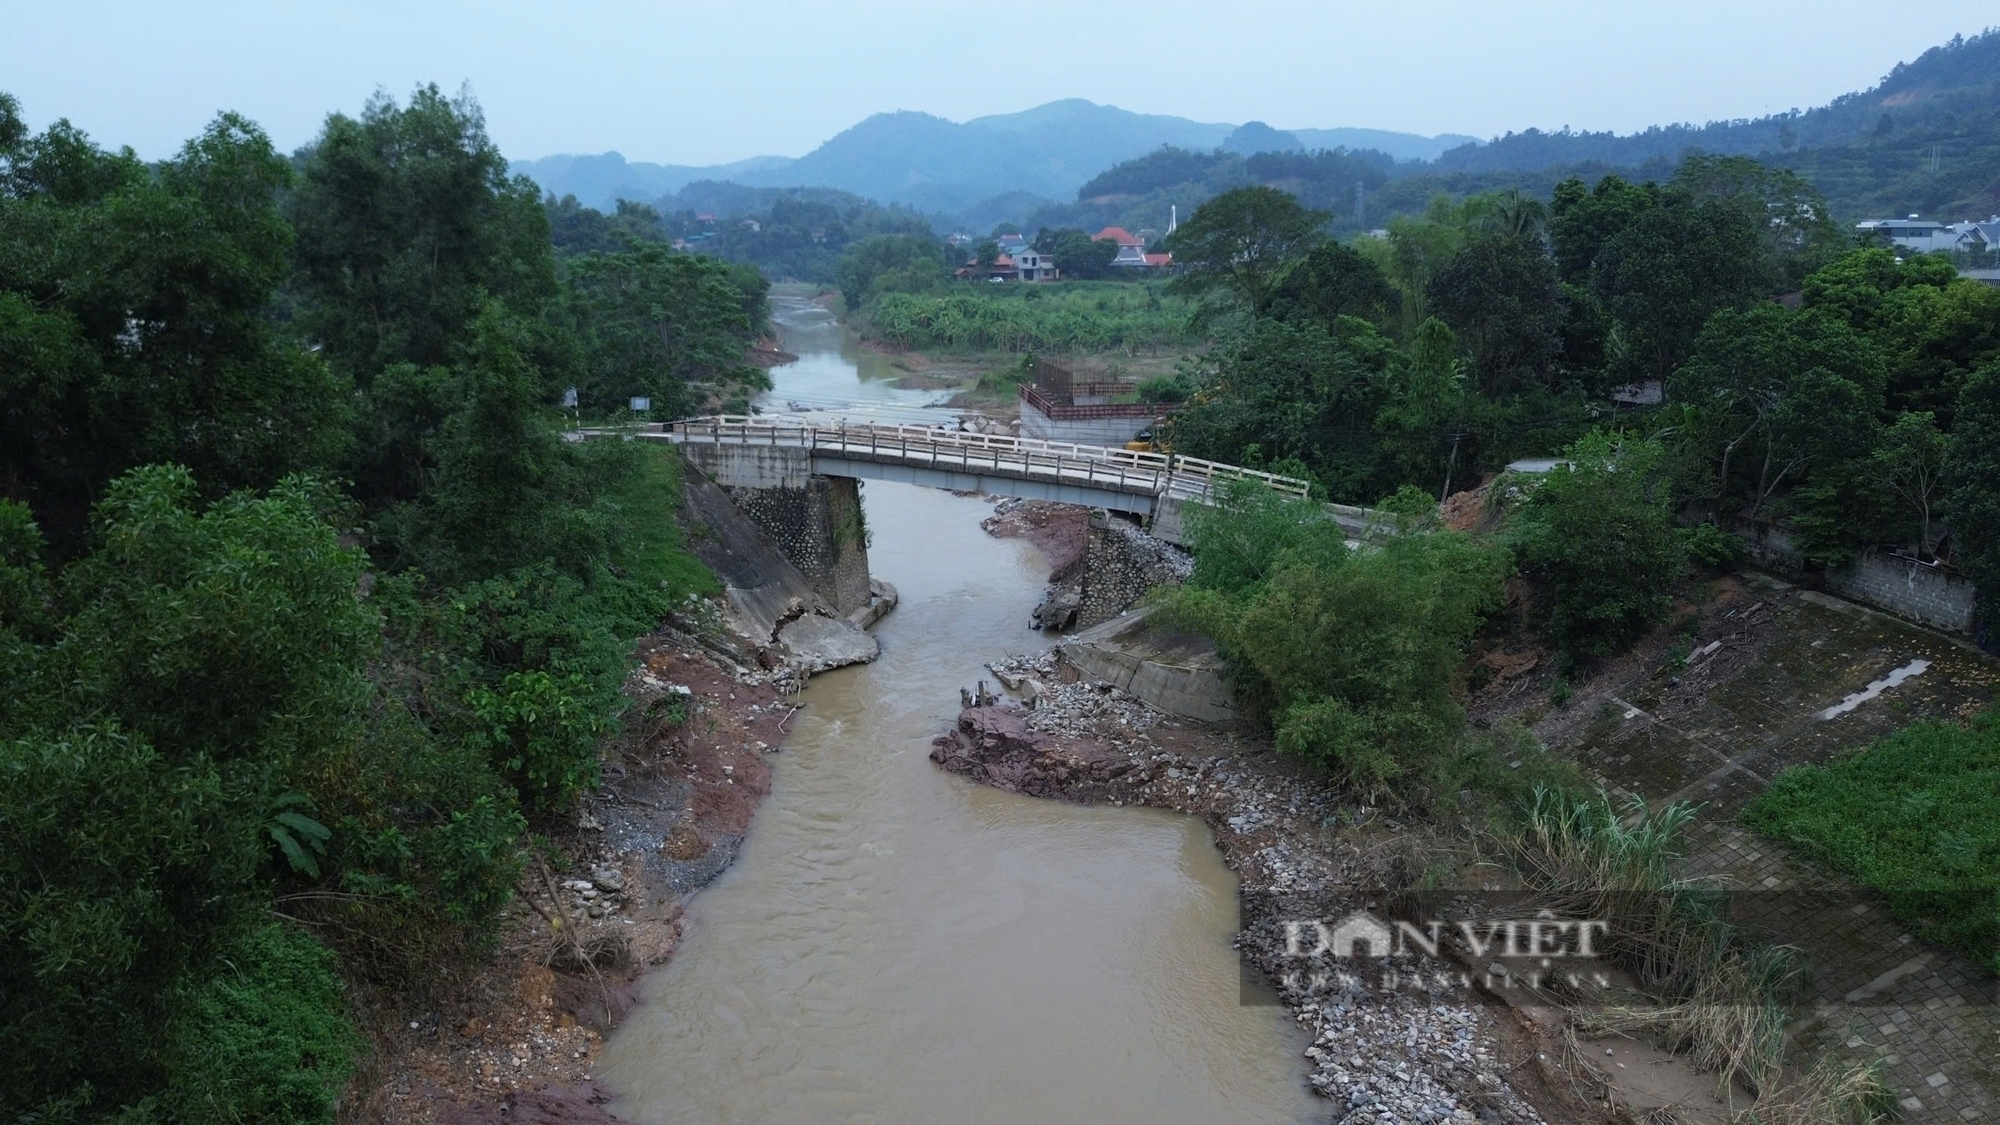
(652, 552)
(1716, 994)
(1916, 817)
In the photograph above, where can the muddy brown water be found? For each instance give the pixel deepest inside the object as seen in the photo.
(895, 944)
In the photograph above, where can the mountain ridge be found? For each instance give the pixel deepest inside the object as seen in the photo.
(927, 161)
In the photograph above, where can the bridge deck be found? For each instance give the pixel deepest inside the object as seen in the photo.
(1088, 466)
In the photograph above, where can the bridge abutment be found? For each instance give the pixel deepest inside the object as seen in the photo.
(819, 528)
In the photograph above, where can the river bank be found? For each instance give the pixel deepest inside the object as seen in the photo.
(517, 1038)
(1376, 1056)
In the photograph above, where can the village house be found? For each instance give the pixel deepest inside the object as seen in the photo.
(1926, 236)
(1132, 250)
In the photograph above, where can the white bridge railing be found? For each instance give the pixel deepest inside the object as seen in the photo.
(1124, 470)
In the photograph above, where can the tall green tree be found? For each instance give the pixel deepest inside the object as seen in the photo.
(1501, 296)
(663, 324)
(1972, 477)
(135, 321)
(1240, 243)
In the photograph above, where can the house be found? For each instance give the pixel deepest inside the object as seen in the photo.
(1033, 265)
(1131, 248)
(1009, 243)
(1926, 236)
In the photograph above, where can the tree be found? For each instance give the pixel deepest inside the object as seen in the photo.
(200, 656)
(407, 225)
(1335, 280)
(1789, 386)
(1672, 267)
(890, 263)
(136, 322)
(1426, 403)
(1582, 220)
(1910, 462)
(1972, 482)
(1501, 296)
(1077, 255)
(1800, 234)
(663, 324)
(1290, 391)
(1240, 243)
(1348, 654)
(1596, 534)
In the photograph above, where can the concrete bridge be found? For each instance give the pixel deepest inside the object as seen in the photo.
(753, 452)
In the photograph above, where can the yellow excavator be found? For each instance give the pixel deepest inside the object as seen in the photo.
(1146, 441)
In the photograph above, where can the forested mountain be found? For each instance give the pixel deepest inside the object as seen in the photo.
(601, 180)
(1927, 138)
(1949, 90)
(945, 166)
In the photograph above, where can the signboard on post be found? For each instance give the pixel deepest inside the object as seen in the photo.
(641, 404)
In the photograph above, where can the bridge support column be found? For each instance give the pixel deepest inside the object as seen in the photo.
(819, 527)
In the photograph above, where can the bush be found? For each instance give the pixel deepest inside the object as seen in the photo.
(1916, 817)
(1349, 654)
(265, 1039)
(1710, 546)
(1597, 536)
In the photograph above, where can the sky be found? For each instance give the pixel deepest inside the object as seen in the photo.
(701, 84)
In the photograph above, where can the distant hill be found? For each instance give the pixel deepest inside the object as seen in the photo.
(601, 180)
(950, 167)
(1949, 92)
(1402, 146)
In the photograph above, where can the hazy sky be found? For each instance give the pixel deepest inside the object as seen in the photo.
(696, 84)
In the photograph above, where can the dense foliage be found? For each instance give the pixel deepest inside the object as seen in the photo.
(1597, 532)
(1071, 317)
(1349, 653)
(306, 607)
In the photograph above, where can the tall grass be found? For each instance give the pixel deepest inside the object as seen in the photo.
(1718, 995)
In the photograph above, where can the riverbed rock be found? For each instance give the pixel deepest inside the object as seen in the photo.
(994, 746)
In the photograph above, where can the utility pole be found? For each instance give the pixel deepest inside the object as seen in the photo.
(1360, 205)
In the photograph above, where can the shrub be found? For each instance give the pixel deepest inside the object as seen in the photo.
(265, 1039)
(1349, 654)
(1710, 546)
(1597, 535)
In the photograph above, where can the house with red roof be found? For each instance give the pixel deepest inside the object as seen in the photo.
(1132, 250)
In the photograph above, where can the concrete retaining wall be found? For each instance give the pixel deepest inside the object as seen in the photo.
(1927, 595)
(1173, 672)
(819, 528)
(1084, 431)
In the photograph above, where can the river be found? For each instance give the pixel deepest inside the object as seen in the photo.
(895, 944)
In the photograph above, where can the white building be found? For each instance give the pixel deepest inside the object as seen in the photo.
(1926, 236)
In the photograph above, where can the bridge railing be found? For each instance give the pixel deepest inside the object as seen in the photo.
(1094, 464)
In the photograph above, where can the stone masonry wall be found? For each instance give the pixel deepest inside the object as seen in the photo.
(1924, 594)
(1121, 563)
(819, 529)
